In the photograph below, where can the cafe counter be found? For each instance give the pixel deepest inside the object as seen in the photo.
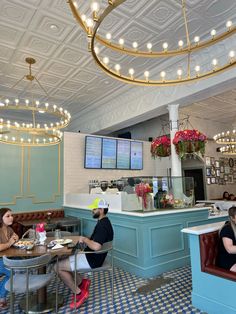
(145, 243)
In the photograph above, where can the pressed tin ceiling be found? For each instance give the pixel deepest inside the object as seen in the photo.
(47, 31)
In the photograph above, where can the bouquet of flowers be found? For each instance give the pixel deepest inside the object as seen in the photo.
(167, 201)
(143, 190)
(189, 141)
(160, 147)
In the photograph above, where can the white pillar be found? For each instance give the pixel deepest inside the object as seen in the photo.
(176, 170)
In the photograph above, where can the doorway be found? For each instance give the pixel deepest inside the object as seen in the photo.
(197, 175)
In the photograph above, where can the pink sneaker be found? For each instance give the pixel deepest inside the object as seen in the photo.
(80, 299)
(85, 284)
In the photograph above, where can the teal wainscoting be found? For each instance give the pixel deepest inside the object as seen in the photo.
(147, 245)
(31, 178)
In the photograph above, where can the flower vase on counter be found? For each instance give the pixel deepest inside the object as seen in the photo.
(41, 233)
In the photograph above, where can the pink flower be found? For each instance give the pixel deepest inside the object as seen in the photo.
(40, 227)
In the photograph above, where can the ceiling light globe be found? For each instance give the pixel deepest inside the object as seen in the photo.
(146, 74)
(232, 54)
(95, 6)
(131, 71)
(179, 72)
(180, 43)
(105, 60)
(196, 39)
(17, 101)
(149, 46)
(7, 101)
(27, 102)
(162, 74)
(108, 36)
(197, 68)
(96, 49)
(165, 46)
(89, 22)
(83, 17)
(214, 62)
(213, 32)
(229, 24)
(121, 41)
(117, 67)
(135, 45)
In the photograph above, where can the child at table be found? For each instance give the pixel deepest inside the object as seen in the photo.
(7, 238)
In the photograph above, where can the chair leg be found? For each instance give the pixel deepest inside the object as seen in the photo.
(57, 286)
(112, 286)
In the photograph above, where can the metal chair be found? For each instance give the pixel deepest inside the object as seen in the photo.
(106, 266)
(63, 233)
(70, 224)
(23, 279)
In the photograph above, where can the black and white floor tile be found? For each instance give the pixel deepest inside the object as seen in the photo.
(174, 297)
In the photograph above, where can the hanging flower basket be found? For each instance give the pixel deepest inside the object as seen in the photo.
(189, 142)
(160, 147)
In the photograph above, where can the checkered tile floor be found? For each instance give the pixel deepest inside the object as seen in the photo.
(174, 297)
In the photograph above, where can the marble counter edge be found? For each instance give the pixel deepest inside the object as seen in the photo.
(197, 230)
(146, 214)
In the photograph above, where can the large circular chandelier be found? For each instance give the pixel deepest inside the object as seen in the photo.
(189, 71)
(34, 123)
(228, 139)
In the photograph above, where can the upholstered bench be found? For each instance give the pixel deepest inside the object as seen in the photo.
(208, 251)
(34, 215)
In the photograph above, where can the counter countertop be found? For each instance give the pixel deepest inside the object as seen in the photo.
(204, 228)
(146, 214)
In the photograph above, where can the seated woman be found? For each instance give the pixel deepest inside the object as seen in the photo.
(225, 196)
(231, 197)
(227, 247)
(7, 238)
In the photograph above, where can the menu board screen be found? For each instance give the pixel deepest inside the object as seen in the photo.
(123, 154)
(136, 156)
(93, 152)
(108, 153)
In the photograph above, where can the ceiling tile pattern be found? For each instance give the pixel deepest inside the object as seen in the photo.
(47, 31)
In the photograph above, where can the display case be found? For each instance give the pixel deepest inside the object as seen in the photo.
(160, 193)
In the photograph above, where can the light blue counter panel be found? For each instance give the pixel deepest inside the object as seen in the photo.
(147, 245)
(211, 294)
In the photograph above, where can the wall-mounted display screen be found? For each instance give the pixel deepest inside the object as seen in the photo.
(108, 153)
(136, 155)
(93, 152)
(123, 154)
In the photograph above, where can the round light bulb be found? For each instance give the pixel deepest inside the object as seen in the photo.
(96, 49)
(121, 41)
(89, 22)
(27, 102)
(232, 54)
(179, 72)
(213, 32)
(131, 71)
(229, 24)
(180, 43)
(105, 60)
(95, 6)
(7, 101)
(163, 74)
(165, 46)
(197, 68)
(196, 39)
(117, 67)
(83, 17)
(37, 103)
(214, 62)
(146, 74)
(108, 36)
(149, 46)
(17, 101)
(135, 45)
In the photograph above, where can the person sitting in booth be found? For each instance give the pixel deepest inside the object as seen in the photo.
(225, 196)
(7, 238)
(102, 233)
(227, 247)
(231, 197)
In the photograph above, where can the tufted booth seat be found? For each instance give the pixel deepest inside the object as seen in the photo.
(208, 250)
(38, 215)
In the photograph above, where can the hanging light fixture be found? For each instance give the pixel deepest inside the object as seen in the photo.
(186, 47)
(37, 124)
(228, 139)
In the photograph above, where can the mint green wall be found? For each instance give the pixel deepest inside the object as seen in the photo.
(31, 178)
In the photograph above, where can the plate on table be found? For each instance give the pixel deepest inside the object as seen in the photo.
(61, 241)
(23, 243)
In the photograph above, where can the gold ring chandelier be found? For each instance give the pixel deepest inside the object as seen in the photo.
(190, 73)
(32, 127)
(228, 139)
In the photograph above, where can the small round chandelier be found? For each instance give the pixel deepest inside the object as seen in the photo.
(183, 52)
(228, 139)
(35, 123)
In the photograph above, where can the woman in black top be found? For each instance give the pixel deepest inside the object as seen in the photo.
(227, 248)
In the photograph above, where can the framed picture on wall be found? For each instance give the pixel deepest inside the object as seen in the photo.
(212, 161)
(227, 169)
(213, 171)
(208, 161)
(230, 179)
(213, 180)
(222, 176)
(217, 164)
(217, 172)
(234, 175)
(208, 180)
(208, 172)
(222, 169)
(226, 177)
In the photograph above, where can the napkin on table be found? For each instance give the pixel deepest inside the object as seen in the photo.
(57, 246)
